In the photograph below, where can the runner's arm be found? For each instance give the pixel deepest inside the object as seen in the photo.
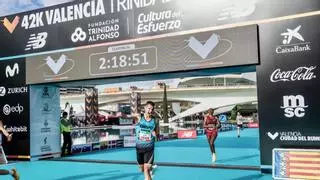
(136, 117)
(4, 131)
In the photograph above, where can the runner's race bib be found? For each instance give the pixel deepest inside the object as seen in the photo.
(145, 135)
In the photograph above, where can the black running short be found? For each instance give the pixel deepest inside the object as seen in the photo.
(145, 157)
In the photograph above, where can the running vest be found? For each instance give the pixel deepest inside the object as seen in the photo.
(211, 120)
(144, 138)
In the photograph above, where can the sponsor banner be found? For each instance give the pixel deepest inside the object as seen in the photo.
(91, 106)
(135, 102)
(129, 141)
(185, 52)
(187, 134)
(288, 85)
(227, 127)
(81, 148)
(295, 164)
(96, 146)
(200, 132)
(119, 143)
(171, 136)
(45, 120)
(125, 121)
(126, 132)
(82, 23)
(253, 125)
(14, 107)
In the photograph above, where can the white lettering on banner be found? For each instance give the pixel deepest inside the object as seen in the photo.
(158, 21)
(292, 136)
(301, 73)
(289, 35)
(64, 14)
(13, 129)
(17, 90)
(7, 109)
(108, 29)
(294, 106)
(124, 5)
(280, 50)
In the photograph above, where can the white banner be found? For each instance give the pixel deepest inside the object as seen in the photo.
(44, 120)
(129, 141)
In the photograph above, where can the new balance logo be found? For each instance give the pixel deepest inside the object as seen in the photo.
(299, 44)
(37, 41)
(10, 72)
(294, 106)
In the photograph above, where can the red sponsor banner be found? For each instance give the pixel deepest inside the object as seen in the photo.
(187, 134)
(253, 125)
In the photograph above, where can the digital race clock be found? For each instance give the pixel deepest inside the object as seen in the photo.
(134, 60)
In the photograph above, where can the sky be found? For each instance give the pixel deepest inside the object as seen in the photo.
(8, 7)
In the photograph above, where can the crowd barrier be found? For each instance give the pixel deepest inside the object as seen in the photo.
(126, 137)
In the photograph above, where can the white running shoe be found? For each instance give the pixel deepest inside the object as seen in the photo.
(214, 157)
(153, 169)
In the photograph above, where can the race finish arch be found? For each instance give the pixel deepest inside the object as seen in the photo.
(101, 39)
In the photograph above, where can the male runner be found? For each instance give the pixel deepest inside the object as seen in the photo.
(211, 125)
(13, 172)
(145, 139)
(239, 123)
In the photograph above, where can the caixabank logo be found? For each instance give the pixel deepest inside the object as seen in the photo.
(293, 41)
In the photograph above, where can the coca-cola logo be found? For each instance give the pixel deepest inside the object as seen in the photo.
(299, 74)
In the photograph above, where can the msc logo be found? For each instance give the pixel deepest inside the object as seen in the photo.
(10, 72)
(294, 106)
